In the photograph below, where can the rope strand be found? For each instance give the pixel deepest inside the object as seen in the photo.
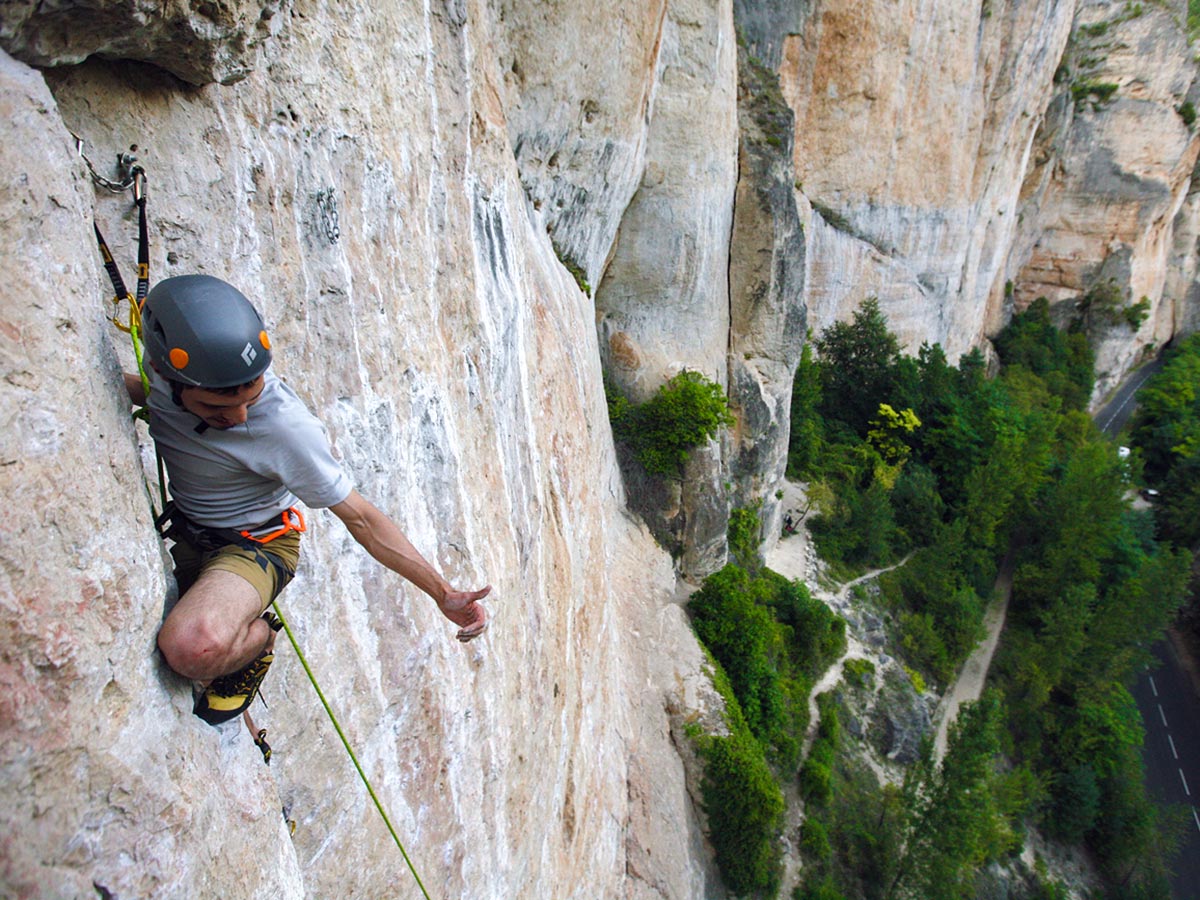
(341, 734)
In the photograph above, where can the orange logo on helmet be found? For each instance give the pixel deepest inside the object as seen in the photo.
(179, 357)
(264, 340)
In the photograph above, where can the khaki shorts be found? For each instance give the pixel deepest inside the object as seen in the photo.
(269, 567)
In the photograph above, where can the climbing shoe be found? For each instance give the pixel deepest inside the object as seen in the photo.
(227, 696)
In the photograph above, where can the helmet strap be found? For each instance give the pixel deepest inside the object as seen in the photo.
(177, 397)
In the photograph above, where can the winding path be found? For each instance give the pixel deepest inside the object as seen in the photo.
(791, 557)
(968, 687)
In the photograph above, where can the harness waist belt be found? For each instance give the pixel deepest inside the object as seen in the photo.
(173, 523)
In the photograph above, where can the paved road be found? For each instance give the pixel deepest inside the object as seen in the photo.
(1171, 713)
(1116, 412)
(1168, 702)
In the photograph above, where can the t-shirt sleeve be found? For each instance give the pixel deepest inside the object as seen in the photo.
(305, 464)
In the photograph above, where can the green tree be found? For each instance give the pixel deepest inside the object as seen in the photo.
(1064, 361)
(742, 635)
(858, 365)
(1166, 426)
(745, 535)
(955, 824)
(744, 806)
(890, 435)
(686, 412)
(1179, 502)
(806, 437)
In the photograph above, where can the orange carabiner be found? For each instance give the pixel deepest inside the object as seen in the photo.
(293, 520)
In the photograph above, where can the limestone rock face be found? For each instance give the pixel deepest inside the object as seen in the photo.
(1115, 164)
(663, 304)
(913, 125)
(579, 89)
(455, 217)
(766, 286)
(365, 194)
(198, 42)
(961, 159)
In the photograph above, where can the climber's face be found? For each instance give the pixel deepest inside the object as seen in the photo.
(225, 408)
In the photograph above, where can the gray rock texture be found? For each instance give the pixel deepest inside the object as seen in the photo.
(1110, 194)
(455, 216)
(200, 43)
(365, 194)
(959, 186)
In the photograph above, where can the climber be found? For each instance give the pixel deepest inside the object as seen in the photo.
(240, 449)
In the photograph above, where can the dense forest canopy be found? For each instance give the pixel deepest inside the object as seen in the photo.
(959, 478)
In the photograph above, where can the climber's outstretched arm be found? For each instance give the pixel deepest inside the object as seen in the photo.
(384, 540)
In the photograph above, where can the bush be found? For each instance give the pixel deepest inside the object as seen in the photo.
(924, 646)
(859, 672)
(1075, 805)
(816, 781)
(814, 841)
(743, 637)
(824, 889)
(744, 806)
(685, 413)
(1097, 92)
(745, 532)
(816, 775)
(1135, 315)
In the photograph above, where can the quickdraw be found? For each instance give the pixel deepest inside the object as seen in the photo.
(132, 176)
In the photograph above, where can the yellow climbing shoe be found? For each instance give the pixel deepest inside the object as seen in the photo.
(229, 695)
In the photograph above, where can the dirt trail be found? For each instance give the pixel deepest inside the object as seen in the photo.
(794, 557)
(969, 685)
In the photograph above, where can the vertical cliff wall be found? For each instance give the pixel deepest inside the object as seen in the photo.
(958, 160)
(356, 177)
(1104, 202)
(455, 215)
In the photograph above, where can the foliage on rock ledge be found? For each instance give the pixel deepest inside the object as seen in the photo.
(685, 413)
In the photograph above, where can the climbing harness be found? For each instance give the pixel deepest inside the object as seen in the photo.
(133, 176)
(293, 520)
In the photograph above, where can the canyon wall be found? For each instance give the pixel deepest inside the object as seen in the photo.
(357, 179)
(959, 160)
(457, 216)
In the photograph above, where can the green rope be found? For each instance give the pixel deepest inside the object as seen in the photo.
(135, 334)
(346, 744)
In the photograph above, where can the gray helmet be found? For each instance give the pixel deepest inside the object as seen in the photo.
(203, 332)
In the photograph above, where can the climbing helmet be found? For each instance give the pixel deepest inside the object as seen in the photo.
(203, 332)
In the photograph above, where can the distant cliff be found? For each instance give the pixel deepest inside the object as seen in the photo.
(962, 159)
(456, 217)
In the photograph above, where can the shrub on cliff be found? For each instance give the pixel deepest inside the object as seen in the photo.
(773, 641)
(686, 412)
(769, 640)
(744, 805)
(742, 801)
(731, 618)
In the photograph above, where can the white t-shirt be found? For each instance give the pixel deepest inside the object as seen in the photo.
(241, 477)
